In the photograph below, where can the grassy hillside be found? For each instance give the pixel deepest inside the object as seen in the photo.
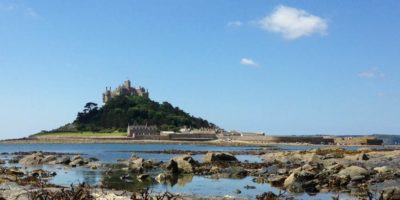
(82, 134)
(120, 111)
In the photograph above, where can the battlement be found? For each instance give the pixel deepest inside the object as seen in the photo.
(125, 89)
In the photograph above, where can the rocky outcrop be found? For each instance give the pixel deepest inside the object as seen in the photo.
(391, 193)
(219, 157)
(353, 172)
(136, 164)
(34, 159)
(182, 164)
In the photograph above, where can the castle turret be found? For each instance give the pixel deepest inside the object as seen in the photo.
(127, 84)
(125, 89)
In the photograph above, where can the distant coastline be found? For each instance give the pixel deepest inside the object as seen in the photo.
(126, 140)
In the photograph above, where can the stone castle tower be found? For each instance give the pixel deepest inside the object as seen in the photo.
(125, 89)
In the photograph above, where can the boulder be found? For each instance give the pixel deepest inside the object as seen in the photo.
(238, 173)
(136, 164)
(94, 165)
(276, 180)
(353, 172)
(49, 158)
(363, 156)
(65, 160)
(382, 170)
(14, 172)
(300, 180)
(76, 157)
(33, 159)
(172, 166)
(184, 164)
(219, 157)
(42, 173)
(273, 169)
(77, 162)
(161, 178)
(391, 193)
(142, 177)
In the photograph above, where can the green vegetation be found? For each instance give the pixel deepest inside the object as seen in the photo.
(120, 111)
(82, 134)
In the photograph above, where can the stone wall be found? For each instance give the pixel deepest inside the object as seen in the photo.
(151, 137)
(358, 141)
(192, 136)
(183, 137)
(282, 139)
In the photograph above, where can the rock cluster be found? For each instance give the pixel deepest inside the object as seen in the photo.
(40, 158)
(324, 170)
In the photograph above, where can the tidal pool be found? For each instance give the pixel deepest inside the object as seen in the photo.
(193, 185)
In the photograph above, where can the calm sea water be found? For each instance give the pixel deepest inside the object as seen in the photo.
(111, 153)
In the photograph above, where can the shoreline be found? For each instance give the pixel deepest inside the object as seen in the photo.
(219, 142)
(351, 173)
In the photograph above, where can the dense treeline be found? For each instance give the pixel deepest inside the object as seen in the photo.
(120, 111)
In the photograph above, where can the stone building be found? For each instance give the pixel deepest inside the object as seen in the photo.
(135, 131)
(125, 89)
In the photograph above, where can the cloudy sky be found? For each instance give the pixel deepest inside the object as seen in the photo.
(283, 67)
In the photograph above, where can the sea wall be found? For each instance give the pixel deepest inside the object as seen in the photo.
(180, 136)
(282, 139)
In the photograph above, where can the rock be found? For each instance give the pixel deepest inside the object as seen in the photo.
(142, 177)
(268, 196)
(334, 168)
(34, 159)
(126, 178)
(172, 166)
(65, 160)
(13, 191)
(148, 164)
(219, 157)
(2, 162)
(276, 180)
(357, 178)
(185, 163)
(391, 193)
(93, 165)
(77, 162)
(282, 171)
(76, 158)
(382, 170)
(14, 172)
(248, 187)
(237, 191)
(353, 171)
(42, 173)
(273, 169)
(300, 180)
(215, 169)
(161, 178)
(238, 173)
(136, 164)
(49, 158)
(363, 156)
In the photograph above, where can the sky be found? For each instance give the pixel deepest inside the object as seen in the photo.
(282, 67)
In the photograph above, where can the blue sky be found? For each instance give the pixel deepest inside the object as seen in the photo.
(283, 67)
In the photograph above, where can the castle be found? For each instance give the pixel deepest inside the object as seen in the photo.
(125, 89)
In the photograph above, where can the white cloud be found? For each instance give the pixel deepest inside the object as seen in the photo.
(293, 23)
(248, 61)
(20, 9)
(371, 74)
(234, 24)
(31, 12)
